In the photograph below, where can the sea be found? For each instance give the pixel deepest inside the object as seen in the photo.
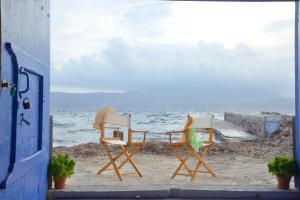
(72, 127)
(76, 127)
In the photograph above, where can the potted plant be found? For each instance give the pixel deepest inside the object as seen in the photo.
(60, 168)
(283, 168)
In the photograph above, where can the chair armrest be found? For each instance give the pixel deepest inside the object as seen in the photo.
(201, 131)
(170, 132)
(141, 131)
(173, 132)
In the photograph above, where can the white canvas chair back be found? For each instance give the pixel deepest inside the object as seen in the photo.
(203, 124)
(106, 117)
(117, 120)
(99, 119)
(207, 122)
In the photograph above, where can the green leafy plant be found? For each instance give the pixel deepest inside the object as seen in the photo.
(282, 166)
(61, 166)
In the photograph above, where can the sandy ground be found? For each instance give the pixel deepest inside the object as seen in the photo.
(233, 172)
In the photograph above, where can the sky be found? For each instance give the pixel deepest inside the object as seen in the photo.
(134, 45)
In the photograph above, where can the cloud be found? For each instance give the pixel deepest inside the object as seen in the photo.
(80, 28)
(126, 67)
(144, 45)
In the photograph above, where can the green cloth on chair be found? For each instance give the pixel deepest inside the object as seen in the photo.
(196, 144)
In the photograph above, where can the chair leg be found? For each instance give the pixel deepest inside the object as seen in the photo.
(131, 161)
(113, 162)
(108, 164)
(203, 162)
(197, 168)
(133, 152)
(181, 165)
(176, 150)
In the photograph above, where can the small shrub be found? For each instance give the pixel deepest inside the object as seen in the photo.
(61, 166)
(282, 166)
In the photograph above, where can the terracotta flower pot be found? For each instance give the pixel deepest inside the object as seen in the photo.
(283, 182)
(60, 182)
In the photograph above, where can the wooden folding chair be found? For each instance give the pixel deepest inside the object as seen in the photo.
(193, 126)
(108, 120)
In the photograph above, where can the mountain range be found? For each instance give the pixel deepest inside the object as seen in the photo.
(176, 100)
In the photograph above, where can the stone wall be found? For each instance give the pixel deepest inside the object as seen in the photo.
(258, 124)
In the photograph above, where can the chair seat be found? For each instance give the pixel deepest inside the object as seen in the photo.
(115, 142)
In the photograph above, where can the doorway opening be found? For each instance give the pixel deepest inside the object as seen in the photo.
(115, 88)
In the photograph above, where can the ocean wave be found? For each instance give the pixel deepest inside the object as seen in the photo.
(82, 130)
(143, 123)
(63, 125)
(158, 115)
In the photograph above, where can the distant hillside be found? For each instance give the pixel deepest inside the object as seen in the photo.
(173, 100)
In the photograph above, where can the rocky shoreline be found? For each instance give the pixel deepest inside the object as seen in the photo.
(280, 143)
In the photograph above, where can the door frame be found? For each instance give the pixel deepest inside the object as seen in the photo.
(297, 95)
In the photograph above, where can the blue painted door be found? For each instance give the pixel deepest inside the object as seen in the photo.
(24, 133)
(297, 91)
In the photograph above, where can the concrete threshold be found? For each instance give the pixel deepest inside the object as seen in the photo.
(174, 193)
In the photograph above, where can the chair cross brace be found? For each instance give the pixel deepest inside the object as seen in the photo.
(183, 162)
(128, 158)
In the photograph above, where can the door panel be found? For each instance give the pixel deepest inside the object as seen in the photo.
(31, 125)
(24, 133)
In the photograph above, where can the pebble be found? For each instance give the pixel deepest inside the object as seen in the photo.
(280, 143)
